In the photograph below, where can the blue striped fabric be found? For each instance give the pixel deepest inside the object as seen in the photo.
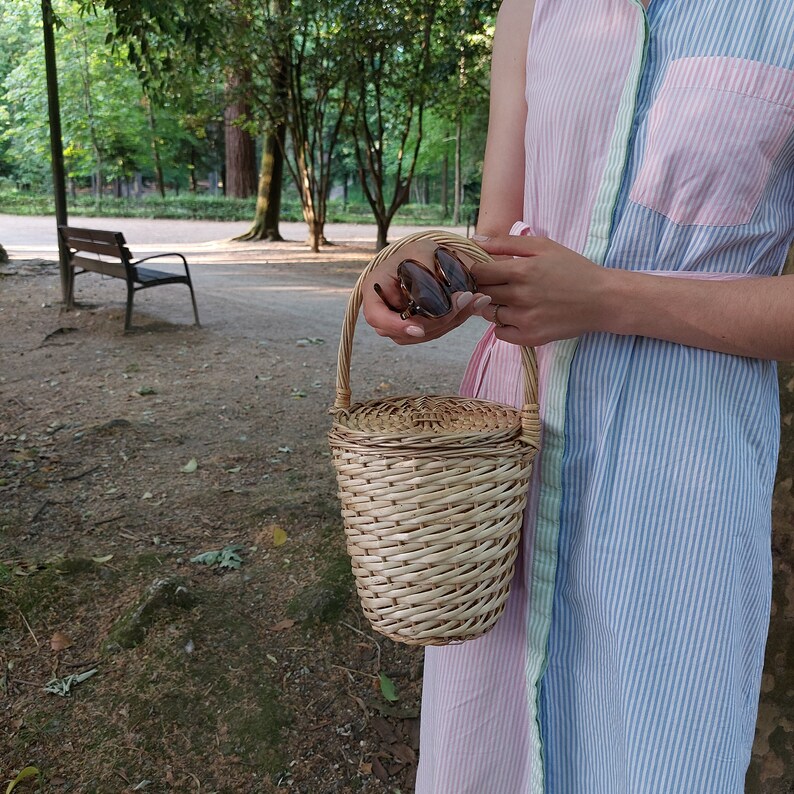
(662, 595)
(656, 142)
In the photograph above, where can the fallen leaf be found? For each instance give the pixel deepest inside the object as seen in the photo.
(190, 466)
(60, 641)
(387, 688)
(384, 729)
(102, 560)
(63, 686)
(379, 771)
(147, 495)
(402, 752)
(223, 558)
(279, 536)
(283, 625)
(28, 771)
(364, 769)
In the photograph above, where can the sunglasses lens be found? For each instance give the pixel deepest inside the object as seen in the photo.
(457, 274)
(432, 298)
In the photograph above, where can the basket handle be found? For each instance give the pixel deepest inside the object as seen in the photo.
(529, 413)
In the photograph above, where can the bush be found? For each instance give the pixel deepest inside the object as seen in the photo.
(200, 206)
(3, 256)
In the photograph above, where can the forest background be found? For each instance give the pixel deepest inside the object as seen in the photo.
(321, 110)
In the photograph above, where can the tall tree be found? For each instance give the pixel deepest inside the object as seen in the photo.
(240, 172)
(306, 35)
(390, 45)
(461, 65)
(267, 213)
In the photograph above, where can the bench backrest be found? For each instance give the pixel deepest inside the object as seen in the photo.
(98, 251)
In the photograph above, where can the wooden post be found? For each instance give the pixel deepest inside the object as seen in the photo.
(56, 144)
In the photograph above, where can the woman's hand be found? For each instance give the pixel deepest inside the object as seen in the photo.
(547, 293)
(416, 328)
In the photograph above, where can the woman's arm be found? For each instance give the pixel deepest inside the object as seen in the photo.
(551, 292)
(502, 195)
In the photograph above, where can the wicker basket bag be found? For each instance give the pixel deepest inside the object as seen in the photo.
(433, 490)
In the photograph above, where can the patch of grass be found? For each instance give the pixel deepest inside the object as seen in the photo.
(215, 697)
(325, 599)
(40, 593)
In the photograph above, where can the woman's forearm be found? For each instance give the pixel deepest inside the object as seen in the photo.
(743, 316)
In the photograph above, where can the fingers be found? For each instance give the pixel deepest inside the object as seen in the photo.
(417, 328)
(513, 245)
(378, 307)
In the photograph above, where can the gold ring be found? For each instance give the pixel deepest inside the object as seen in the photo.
(495, 316)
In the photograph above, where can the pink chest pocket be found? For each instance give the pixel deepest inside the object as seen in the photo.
(714, 132)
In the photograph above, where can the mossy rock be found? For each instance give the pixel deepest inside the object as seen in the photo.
(75, 565)
(323, 600)
(161, 596)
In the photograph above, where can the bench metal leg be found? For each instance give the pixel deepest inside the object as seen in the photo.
(195, 308)
(128, 315)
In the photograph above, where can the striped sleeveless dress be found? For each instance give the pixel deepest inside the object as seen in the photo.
(629, 657)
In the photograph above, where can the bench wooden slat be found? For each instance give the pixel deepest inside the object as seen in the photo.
(115, 269)
(97, 235)
(101, 248)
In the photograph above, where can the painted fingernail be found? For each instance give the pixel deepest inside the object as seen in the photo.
(482, 302)
(464, 299)
(415, 330)
(480, 238)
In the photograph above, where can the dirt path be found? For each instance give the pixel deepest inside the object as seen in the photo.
(125, 457)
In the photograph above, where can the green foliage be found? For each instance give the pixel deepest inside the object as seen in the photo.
(394, 80)
(226, 557)
(164, 40)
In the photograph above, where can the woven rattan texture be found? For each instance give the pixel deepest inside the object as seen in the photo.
(432, 416)
(433, 491)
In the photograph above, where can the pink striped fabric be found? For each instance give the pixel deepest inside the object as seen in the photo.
(471, 691)
(564, 168)
(682, 177)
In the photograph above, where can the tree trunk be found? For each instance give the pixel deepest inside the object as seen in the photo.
(445, 187)
(383, 232)
(458, 186)
(158, 163)
(241, 179)
(316, 236)
(772, 767)
(268, 201)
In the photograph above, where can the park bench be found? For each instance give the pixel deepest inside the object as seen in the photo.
(104, 252)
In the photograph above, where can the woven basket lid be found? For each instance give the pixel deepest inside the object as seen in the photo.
(429, 416)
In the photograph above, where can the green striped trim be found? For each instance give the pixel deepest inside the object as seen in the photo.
(544, 559)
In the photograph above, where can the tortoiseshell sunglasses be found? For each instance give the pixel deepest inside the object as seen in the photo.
(428, 293)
